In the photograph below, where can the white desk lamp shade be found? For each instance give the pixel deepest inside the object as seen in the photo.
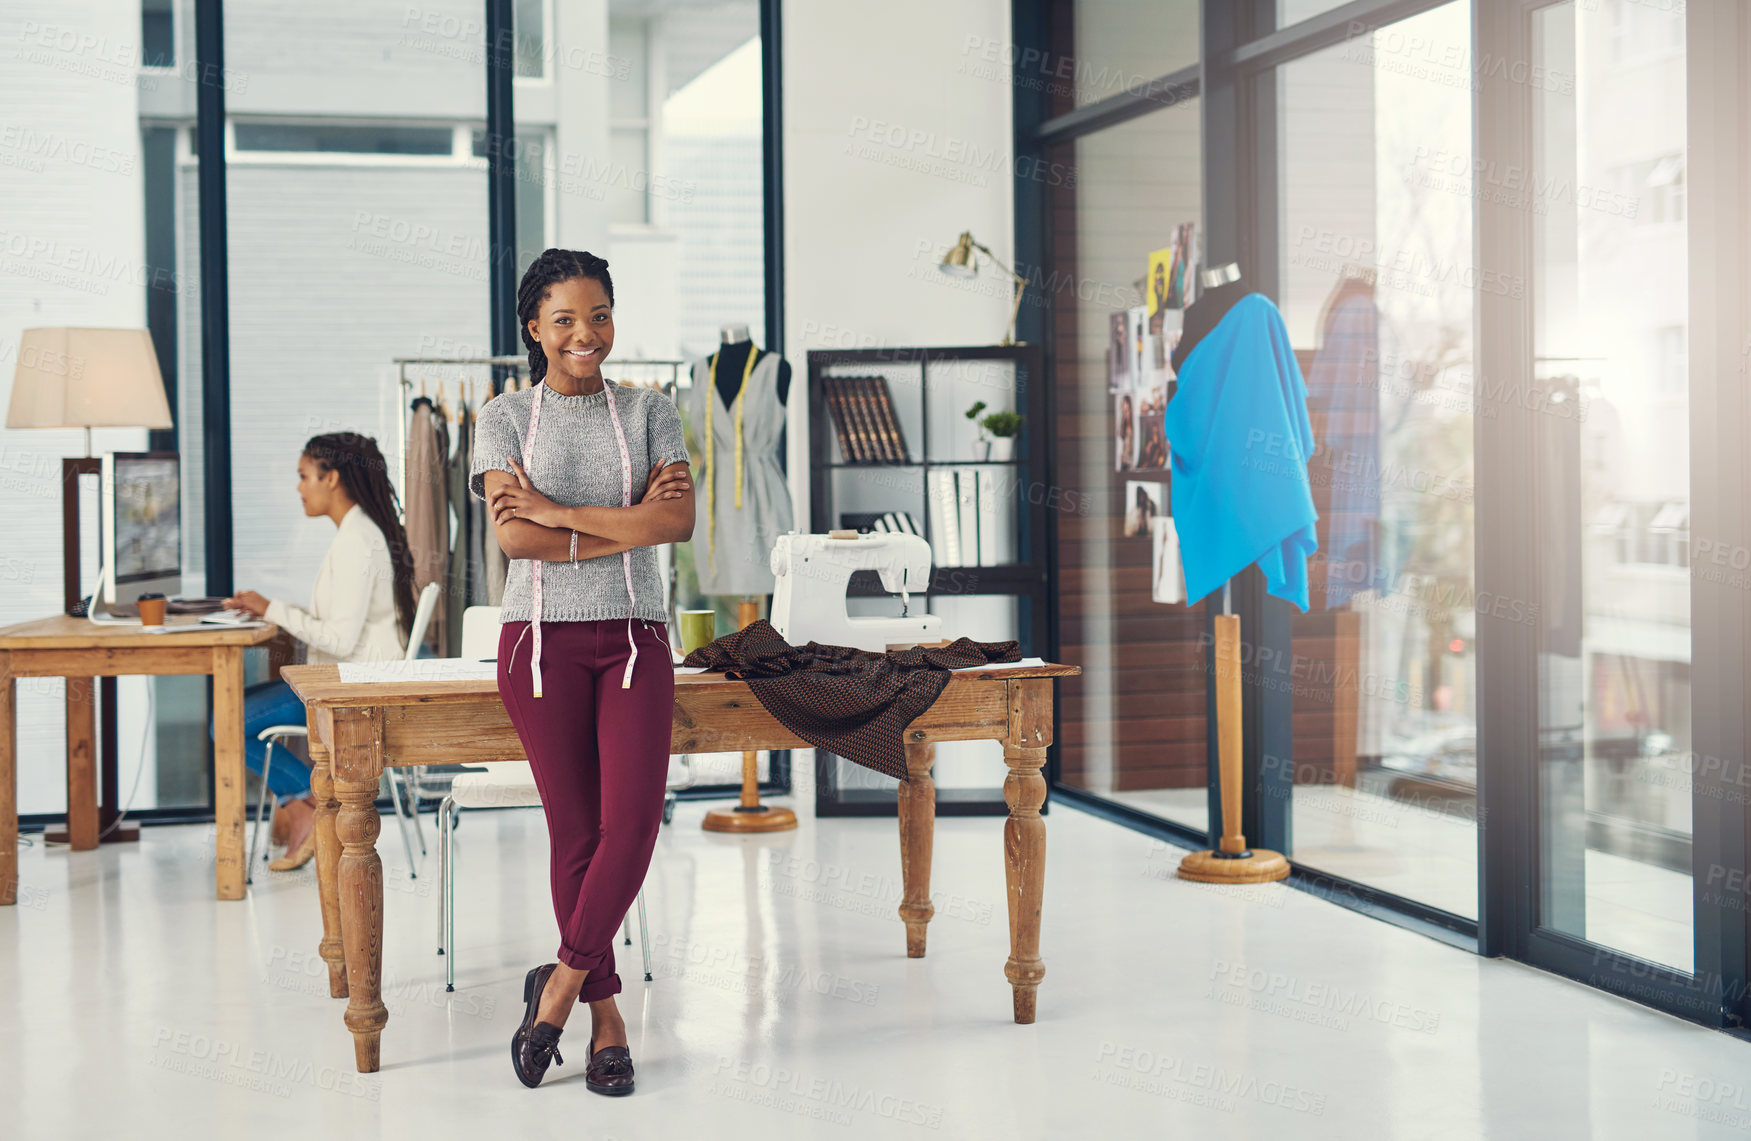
(87, 378)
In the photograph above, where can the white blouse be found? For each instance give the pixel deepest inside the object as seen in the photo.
(351, 617)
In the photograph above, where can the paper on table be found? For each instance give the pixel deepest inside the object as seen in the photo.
(420, 669)
(958, 669)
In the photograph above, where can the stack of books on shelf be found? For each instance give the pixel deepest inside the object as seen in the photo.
(863, 414)
(972, 517)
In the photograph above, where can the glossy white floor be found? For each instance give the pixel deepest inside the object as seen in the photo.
(784, 1005)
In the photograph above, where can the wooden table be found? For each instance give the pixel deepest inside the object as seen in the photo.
(80, 650)
(357, 729)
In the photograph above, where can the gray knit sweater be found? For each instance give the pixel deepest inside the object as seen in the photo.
(577, 464)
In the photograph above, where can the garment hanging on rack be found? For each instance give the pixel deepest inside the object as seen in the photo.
(427, 509)
(746, 504)
(466, 570)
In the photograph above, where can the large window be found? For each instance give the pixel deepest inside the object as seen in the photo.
(1515, 706)
(1615, 661)
(1132, 725)
(1376, 284)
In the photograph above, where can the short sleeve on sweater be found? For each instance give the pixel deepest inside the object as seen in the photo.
(495, 439)
(663, 434)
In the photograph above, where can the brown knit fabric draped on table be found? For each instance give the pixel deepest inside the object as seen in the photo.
(851, 702)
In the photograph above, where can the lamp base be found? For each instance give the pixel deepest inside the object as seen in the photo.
(1260, 865)
(759, 818)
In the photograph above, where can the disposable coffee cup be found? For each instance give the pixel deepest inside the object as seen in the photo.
(151, 611)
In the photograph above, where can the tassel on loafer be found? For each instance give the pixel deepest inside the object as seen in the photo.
(535, 1044)
(609, 1071)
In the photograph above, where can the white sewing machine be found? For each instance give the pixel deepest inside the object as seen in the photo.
(813, 572)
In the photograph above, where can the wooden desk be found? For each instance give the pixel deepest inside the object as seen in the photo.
(80, 650)
(355, 730)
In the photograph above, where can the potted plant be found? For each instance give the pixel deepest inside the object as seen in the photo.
(1003, 427)
(973, 415)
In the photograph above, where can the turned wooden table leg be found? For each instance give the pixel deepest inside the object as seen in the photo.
(82, 763)
(358, 772)
(8, 784)
(1024, 835)
(331, 948)
(228, 799)
(917, 835)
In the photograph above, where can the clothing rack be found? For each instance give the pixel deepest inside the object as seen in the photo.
(677, 370)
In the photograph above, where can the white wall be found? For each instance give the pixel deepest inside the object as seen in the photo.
(69, 154)
(894, 142)
(897, 136)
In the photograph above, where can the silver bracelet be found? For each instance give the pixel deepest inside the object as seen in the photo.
(574, 548)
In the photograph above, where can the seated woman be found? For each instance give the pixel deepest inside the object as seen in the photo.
(361, 609)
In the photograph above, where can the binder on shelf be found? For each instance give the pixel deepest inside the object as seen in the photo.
(996, 520)
(967, 515)
(945, 543)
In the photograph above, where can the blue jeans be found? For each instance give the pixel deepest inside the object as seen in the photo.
(273, 703)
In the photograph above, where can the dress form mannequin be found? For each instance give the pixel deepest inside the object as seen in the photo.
(1231, 861)
(737, 414)
(733, 365)
(733, 355)
(1214, 301)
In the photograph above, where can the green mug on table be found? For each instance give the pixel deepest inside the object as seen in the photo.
(698, 628)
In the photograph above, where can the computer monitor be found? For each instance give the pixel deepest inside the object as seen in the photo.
(142, 525)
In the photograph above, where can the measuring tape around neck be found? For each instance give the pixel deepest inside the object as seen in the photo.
(625, 556)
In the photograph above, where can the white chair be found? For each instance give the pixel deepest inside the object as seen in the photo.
(505, 784)
(274, 734)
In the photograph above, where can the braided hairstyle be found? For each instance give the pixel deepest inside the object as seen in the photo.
(545, 272)
(364, 474)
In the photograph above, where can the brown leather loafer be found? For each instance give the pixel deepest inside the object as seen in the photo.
(609, 1071)
(535, 1044)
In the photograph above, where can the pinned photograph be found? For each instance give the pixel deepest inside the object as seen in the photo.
(1143, 505)
(1118, 352)
(1152, 428)
(1124, 431)
(1167, 577)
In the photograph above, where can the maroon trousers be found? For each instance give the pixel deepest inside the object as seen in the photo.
(600, 755)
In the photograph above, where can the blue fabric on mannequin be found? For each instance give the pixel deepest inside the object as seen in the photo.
(1240, 440)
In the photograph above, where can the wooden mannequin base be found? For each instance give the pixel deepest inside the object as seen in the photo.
(766, 818)
(1263, 866)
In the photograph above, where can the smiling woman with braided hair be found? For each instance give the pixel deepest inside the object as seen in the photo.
(361, 609)
(584, 478)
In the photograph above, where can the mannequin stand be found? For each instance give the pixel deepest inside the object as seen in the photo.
(750, 815)
(1231, 861)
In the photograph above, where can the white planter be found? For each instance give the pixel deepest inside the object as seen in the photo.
(1002, 449)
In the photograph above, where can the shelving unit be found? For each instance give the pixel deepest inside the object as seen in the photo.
(931, 389)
